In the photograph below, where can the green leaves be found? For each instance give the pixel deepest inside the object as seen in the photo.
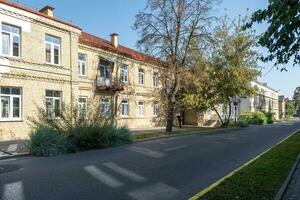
(282, 36)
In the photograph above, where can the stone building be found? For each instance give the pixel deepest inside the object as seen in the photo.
(45, 62)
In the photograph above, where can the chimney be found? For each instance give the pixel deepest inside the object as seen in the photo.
(48, 10)
(114, 39)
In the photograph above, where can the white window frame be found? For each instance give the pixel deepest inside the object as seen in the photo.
(11, 98)
(53, 99)
(82, 64)
(155, 79)
(124, 73)
(141, 108)
(52, 47)
(11, 36)
(141, 76)
(105, 107)
(82, 105)
(124, 103)
(156, 109)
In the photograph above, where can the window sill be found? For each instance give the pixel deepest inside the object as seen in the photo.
(11, 120)
(10, 57)
(54, 65)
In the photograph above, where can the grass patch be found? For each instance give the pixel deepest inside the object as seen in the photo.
(262, 178)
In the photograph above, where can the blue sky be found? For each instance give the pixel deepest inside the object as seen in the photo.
(102, 17)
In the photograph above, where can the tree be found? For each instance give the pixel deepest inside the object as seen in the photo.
(282, 37)
(296, 99)
(230, 68)
(290, 108)
(167, 29)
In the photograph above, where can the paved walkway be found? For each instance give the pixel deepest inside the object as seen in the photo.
(293, 189)
(15, 147)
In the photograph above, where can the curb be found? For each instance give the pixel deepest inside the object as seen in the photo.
(218, 182)
(203, 132)
(19, 155)
(288, 179)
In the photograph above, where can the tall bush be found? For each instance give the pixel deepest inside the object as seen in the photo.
(257, 118)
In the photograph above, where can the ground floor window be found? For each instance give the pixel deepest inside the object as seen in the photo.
(156, 109)
(53, 104)
(141, 109)
(105, 107)
(82, 107)
(125, 108)
(10, 103)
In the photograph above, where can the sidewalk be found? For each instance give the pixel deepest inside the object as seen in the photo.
(292, 191)
(13, 148)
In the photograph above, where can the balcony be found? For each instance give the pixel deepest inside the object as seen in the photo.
(106, 84)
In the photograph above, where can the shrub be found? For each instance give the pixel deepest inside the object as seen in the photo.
(243, 124)
(270, 117)
(257, 118)
(95, 137)
(49, 142)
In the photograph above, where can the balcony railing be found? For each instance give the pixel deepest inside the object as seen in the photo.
(106, 84)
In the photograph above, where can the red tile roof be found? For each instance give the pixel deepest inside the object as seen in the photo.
(94, 41)
(19, 6)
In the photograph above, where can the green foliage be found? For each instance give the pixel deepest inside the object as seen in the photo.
(49, 142)
(242, 124)
(290, 108)
(262, 178)
(256, 118)
(296, 99)
(282, 36)
(70, 133)
(95, 137)
(270, 117)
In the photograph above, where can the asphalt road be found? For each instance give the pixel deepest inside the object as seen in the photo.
(170, 168)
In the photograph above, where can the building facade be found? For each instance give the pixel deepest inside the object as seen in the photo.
(46, 62)
(265, 100)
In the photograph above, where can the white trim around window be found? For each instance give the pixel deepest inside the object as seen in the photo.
(141, 76)
(10, 41)
(125, 108)
(124, 73)
(82, 68)
(82, 107)
(10, 104)
(52, 50)
(141, 108)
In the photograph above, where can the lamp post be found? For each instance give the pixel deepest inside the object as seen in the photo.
(235, 103)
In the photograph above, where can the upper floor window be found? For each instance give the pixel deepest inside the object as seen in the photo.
(52, 49)
(82, 64)
(10, 40)
(155, 79)
(141, 76)
(53, 104)
(125, 108)
(10, 103)
(124, 73)
(105, 107)
(82, 107)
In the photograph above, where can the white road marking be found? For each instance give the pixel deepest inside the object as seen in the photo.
(103, 177)
(12, 148)
(158, 191)
(147, 152)
(176, 148)
(125, 172)
(13, 191)
(7, 160)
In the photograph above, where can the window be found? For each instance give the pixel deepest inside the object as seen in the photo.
(156, 109)
(82, 64)
(155, 79)
(124, 73)
(82, 107)
(141, 76)
(105, 107)
(125, 108)
(141, 109)
(10, 103)
(10, 40)
(52, 49)
(53, 104)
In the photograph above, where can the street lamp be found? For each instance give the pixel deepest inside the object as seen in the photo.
(235, 103)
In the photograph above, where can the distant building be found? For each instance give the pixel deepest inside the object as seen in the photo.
(282, 107)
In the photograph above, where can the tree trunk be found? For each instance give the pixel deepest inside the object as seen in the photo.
(170, 117)
(220, 118)
(229, 114)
